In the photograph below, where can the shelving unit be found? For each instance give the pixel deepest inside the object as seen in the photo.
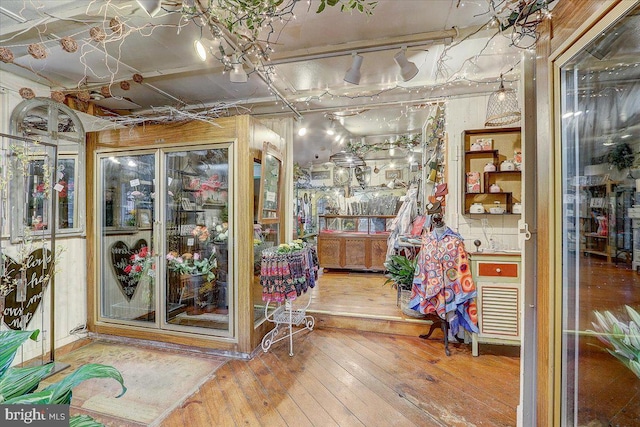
(598, 237)
(504, 143)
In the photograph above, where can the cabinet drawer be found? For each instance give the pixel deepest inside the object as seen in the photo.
(497, 269)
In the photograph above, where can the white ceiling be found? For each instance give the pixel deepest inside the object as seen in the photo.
(312, 53)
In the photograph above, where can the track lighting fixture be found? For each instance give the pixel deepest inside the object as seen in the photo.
(203, 46)
(238, 74)
(353, 73)
(200, 50)
(408, 69)
(152, 7)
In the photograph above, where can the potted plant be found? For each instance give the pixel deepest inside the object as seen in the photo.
(195, 273)
(400, 272)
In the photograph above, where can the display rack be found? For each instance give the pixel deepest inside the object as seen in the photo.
(288, 316)
(284, 277)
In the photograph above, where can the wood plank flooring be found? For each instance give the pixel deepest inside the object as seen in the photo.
(349, 378)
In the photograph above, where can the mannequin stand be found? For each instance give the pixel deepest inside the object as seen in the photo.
(439, 323)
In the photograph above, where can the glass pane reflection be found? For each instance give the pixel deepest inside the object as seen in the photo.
(128, 266)
(601, 229)
(199, 292)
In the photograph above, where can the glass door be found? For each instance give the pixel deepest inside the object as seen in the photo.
(127, 265)
(172, 260)
(196, 238)
(600, 146)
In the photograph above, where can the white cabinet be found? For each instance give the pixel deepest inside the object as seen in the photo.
(499, 283)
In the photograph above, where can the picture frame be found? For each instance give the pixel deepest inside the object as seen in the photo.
(144, 219)
(393, 174)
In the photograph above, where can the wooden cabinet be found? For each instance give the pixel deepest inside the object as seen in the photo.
(499, 284)
(353, 242)
(491, 172)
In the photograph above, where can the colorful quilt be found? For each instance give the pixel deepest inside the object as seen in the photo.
(443, 284)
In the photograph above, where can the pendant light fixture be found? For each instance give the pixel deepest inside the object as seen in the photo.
(353, 73)
(502, 108)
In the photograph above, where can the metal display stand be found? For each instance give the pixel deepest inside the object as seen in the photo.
(288, 316)
(286, 276)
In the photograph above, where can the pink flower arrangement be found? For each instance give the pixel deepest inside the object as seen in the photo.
(205, 188)
(189, 263)
(141, 264)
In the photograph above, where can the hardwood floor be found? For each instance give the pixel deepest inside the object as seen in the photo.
(351, 377)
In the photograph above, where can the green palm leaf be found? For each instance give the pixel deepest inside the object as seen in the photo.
(62, 389)
(83, 421)
(19, 381)
(10, 341)
(38, 398)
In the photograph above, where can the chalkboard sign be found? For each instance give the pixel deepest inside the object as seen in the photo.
(27, 279)
(120, 259)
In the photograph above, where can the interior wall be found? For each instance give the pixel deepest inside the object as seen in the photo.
(462, 114)
(70, 279)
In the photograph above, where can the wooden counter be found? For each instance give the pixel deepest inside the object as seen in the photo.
(354, 251)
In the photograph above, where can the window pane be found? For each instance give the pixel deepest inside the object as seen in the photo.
(600, 108)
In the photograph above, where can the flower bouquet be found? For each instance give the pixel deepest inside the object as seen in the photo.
(141, 264)
(196, 276)
(193, 264)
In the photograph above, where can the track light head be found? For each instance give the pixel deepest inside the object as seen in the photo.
(353, 73)
(408, 69)
(238, 74)
(200, 50)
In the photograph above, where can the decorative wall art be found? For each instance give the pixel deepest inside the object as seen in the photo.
(120, 259)
(20, 304)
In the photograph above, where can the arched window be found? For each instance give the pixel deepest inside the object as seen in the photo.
(51, 124)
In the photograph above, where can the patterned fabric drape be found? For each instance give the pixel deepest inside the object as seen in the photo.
(285, 276)
(443, 284)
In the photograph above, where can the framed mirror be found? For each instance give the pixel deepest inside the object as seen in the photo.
(271, 178)
(53, 124)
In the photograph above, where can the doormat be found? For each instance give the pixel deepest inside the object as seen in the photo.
(157, 381)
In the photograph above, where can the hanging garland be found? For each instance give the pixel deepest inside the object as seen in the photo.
(407, 142)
